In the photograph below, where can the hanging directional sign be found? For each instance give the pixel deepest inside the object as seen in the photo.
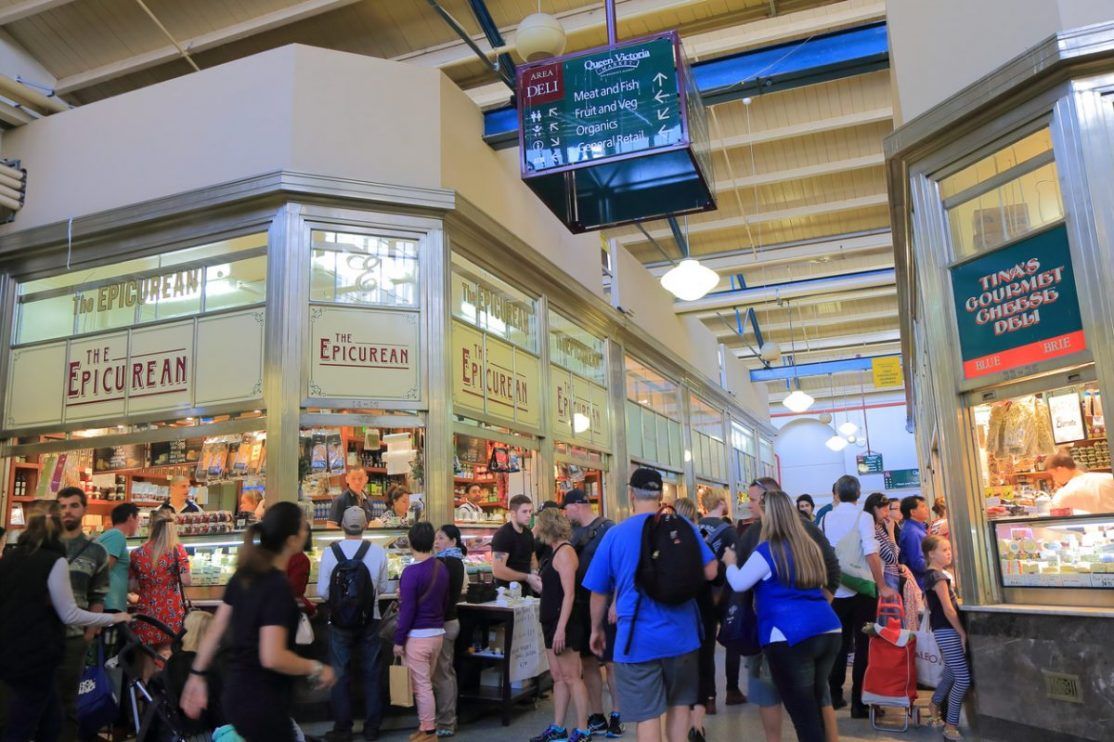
(595, 107)
(615, 134)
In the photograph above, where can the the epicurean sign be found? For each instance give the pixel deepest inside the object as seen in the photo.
(367, 354)
(1018, 305)
(139, 291)
(591, 107)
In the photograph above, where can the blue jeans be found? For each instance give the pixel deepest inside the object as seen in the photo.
(343, 644)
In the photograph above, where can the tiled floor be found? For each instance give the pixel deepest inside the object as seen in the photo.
(739, 723)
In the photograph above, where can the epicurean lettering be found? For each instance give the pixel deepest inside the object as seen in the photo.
(113, 381)
(142, 291)
(364, 353)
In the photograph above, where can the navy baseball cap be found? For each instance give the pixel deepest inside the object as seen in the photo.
(576, 497)
(646, 479)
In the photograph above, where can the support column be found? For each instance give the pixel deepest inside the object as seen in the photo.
(438, 360)
(616, 507)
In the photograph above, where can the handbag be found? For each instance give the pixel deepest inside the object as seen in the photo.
(402, 690)
(187, 604)
(739, 629)
(97, 703)
(388, 624)
(304, 635)
(930, 662)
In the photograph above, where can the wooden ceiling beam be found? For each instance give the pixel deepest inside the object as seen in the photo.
(228, 34)
(763, 217)
(28, 8)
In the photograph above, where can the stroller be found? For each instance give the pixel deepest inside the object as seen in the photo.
(153, 704)
(891, 672)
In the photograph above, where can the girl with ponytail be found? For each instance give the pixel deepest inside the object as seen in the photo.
(260, 612)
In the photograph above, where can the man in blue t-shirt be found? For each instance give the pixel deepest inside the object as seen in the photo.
(656, 671)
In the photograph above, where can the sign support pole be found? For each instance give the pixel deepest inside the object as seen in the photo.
(612, 26)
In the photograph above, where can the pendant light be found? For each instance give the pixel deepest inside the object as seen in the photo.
(689, 280)
(848, 428)
(798, 400)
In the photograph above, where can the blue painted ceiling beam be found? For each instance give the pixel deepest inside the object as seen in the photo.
(822, 58)
(821, 368)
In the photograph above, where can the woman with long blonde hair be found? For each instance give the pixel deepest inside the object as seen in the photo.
(799, 632)
(159, 573)
(36, 603)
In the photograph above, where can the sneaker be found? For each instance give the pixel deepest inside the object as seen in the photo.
(580, 735)
(597, 723)
(446, 733)
(614, 727)
(552, 733)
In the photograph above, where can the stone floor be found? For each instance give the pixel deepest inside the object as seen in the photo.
(731, 723)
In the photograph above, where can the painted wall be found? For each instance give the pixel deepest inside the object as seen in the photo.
(807, 465)
(938, 48)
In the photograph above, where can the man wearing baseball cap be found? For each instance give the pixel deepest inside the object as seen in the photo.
(345, 642)
(655, 650)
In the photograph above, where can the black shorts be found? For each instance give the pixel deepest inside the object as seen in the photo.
(575, 638)
(609, 630)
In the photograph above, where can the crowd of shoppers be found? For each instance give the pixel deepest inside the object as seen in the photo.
(810, 585)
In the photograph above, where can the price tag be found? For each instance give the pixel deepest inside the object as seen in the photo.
(1050, 580)
(1103, 579)
(1075, 579)
(1012, 580)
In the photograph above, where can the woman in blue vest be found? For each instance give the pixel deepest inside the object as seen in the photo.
(797, 628)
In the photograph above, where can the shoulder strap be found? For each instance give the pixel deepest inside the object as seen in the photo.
(74, 558)
(437, 567)
(362, 551)
(338, 552)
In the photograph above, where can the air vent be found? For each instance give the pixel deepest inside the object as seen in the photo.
(1061, 686)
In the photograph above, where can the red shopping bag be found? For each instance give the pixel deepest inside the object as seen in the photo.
(891, 670)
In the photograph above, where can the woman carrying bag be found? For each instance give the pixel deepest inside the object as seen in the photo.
(451, 551)
(799, 632)
(423, 594)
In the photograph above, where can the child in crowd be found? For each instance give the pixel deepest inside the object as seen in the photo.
(949, 633)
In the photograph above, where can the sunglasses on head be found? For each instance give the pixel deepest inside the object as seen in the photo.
(759, 485)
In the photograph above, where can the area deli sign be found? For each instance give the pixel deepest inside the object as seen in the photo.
(1018, 305)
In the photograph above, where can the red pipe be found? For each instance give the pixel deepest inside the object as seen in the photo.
(878, 406)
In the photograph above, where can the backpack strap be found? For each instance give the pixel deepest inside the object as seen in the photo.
(337, 552)
(362, 551)
(80, 551)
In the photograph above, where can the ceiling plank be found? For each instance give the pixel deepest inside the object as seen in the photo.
(811, 324)
(801, 173)
(28, 8)
(805, 128)
(229, 34)
(764, 217)
(843, 245)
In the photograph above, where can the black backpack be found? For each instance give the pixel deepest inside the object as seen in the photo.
(351, 590)
(670, 562)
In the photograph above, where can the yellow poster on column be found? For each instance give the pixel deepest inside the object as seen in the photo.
(468, 368)
(528, 377)
(886, 372)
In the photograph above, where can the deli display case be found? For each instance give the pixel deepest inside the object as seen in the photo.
(1075, 552)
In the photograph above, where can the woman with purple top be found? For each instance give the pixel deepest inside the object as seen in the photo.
(423, 595)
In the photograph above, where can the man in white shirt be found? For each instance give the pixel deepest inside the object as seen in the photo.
(1083, 492)
(853, 608)
(345, 642)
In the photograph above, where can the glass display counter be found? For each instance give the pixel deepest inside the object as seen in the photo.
(1072, 552)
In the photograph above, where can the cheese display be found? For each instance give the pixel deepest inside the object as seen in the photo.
(1048, 552)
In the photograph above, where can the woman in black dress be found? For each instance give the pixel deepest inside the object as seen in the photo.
(561, 628)
(260, 612)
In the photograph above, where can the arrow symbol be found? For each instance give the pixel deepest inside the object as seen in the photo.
(660, 78)
(663, 114)
(554, 142)
(552, 112)
(661, 96)
(553, 126)
(663, 131)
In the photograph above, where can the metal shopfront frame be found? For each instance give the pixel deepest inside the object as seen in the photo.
(1032, 91)
(288, 206)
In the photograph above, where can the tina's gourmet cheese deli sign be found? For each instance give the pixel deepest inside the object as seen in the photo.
(599, 106)
(1018, 306)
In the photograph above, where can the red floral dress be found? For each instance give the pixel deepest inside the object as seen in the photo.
(160, 596)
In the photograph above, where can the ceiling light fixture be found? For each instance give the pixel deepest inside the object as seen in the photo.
(848, 429)
(689, 280)
(798, 401)
(836, 442)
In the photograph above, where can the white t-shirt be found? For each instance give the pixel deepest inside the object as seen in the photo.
(1090, 492)
(375, 559)
(842, 519)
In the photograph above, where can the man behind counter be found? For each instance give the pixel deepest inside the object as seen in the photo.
(355, 495)
(512, 548)
(179, 500)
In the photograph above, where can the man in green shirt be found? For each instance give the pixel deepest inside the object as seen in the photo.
(125, 523)
(89, 578)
